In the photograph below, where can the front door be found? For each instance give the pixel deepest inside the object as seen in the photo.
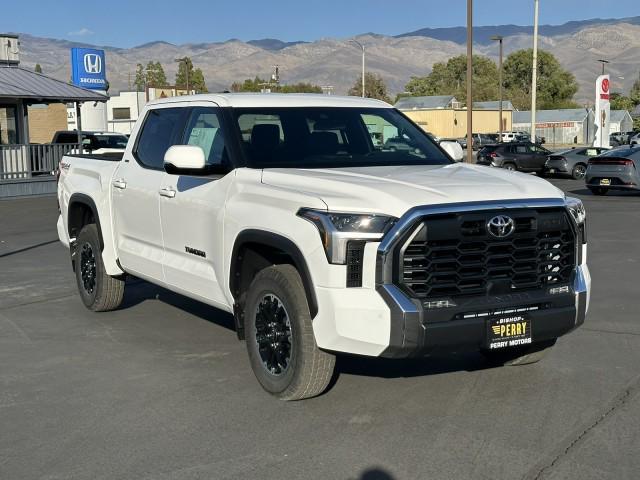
(192, 213)
(136, 200)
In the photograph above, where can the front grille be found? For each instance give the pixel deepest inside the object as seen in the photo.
(454, 255)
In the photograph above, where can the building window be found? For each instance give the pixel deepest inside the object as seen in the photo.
(8, 125)
(122, 113)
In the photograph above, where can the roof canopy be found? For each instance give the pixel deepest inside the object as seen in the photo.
(19, 83)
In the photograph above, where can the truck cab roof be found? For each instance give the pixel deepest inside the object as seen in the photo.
(240, 100)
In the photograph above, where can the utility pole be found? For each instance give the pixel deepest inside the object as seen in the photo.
(499, 38)
(469, 81)
(362, 47)
(534, 73)
(186, 68)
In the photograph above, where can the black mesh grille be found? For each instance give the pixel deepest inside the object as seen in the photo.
(355, 253)
(455, 255)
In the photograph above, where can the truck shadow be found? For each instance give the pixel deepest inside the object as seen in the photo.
(139, 291)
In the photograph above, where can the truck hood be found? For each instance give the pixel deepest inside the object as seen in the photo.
(393, 190)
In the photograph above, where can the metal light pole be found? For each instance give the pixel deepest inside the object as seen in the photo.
(186, 67)
(534, 73)
(469, 81)
(603, 62)
(499, 38)
(362, 47)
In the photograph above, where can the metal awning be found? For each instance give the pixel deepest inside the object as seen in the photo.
(19, 83)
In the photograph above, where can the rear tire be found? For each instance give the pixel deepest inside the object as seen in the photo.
(99, 291)
(515, 356)
(598, 190)
(579, 171)
(282, 348)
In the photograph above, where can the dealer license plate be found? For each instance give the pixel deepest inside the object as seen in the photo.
(605, 181)
(508, 331)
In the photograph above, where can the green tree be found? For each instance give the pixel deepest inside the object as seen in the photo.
(556, 86)
(141, 77)
(155, 75)
(374, 87)
(38, 68)
(257, 84)
(634, 94)
(194, 77)
(450, 78)
(621, 102)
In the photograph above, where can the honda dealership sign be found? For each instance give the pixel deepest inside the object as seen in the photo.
(603, 112)
(88, 68)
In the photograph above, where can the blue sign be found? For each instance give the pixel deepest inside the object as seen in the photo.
(88, 69)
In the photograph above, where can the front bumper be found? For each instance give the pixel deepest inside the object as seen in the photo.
(414, 333)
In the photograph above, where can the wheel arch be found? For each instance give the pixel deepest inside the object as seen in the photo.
(81, 210)
(254, 250)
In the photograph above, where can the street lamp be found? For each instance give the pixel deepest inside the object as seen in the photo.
(469, 81)
(603, 62)
(186, 67)
(499, 38)
(362, 47)
(534, 73)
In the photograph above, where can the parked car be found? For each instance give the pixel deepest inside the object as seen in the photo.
(616, 169)
(280, 210)
(572, 162)
(523, 156)
(634, 139)
(93, 142)
(482, 139)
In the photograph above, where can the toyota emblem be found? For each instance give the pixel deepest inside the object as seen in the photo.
(501, 226)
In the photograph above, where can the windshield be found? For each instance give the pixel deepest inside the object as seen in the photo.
(320, 137)
(111, 141)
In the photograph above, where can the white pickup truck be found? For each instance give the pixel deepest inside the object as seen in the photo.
(290, 212)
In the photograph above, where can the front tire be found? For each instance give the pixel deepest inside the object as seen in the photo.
(519, 355)
(510, 166)
(99, 291)
(282, 349)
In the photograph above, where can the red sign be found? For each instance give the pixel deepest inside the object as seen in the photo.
(605, 85)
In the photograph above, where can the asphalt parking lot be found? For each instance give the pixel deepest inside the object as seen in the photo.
(161, 389)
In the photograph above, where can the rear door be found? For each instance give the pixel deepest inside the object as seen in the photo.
(522, 155)
(192, 211)
(135, 189)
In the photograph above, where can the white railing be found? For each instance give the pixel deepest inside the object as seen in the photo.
(32, 160)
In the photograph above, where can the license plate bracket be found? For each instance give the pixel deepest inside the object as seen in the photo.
(508, 330)
(605, 181)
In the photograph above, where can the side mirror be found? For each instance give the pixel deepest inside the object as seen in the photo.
(453, 149)
(188, 159)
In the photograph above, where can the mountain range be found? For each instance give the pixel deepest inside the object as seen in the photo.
(336, 62)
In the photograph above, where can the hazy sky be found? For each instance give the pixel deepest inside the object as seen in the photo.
(133, 22)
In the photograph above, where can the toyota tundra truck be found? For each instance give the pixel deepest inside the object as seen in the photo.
(289, 212)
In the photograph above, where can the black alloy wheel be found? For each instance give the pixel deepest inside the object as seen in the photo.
(88, 268)
(273, 334)
(579, 171)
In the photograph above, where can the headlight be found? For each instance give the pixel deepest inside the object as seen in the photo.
(576, 208)
(579, 214)
(337, 228)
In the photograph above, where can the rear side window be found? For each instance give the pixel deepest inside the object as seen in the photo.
(67, 138)
(161, 129)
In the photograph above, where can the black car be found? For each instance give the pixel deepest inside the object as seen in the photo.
(482, 139)
(522, 156)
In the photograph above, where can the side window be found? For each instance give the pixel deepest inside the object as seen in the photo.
(591, 152)
(522, 149)
(204, 130)
(161, 129)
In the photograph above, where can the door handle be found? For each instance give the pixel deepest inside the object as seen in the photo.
(121, 184)
(167, 192)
